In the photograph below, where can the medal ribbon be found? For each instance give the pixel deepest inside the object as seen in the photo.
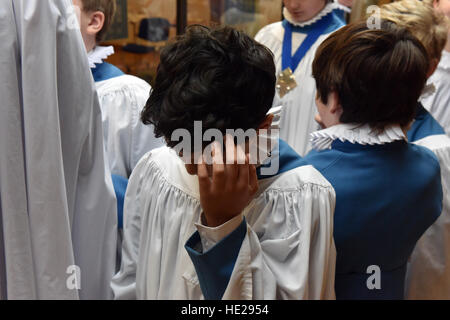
(314, 32)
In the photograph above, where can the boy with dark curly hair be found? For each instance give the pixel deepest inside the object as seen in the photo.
(222, 229)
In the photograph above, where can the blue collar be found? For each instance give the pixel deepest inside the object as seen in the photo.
(288, 160)
(105, 71)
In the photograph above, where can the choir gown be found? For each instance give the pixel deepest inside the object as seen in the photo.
(58, 217)
(280, 247)
(388, 193)
(428, 275)
(437, 103)
(122, 98)
(297, 120)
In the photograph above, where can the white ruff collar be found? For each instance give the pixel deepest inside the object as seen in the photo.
(354, 133)
(325, 11)
(98, 54)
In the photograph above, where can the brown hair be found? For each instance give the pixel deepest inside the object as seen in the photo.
(108, 7)
(420, 18)
(378, 74)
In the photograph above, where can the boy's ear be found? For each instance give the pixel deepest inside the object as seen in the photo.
(96, 22)
(333, 103)
(267, 122)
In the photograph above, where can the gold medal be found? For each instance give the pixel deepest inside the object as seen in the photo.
(286, 82)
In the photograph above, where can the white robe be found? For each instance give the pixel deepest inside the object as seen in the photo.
(428, 275)
(297, 120)
(438, 103)
(288, 251)
(57, 203)
(126, 138)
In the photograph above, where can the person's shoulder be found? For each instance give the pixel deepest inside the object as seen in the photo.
(423, 159)
(323, 159)
(271, 31)
(435, 142)
(124, 82)
(165, 166)
(296, 179)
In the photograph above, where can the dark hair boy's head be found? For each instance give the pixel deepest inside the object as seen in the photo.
(378, 74)
(221, 77)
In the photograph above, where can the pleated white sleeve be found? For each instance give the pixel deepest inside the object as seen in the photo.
(126, 138)
(428, 273)
(288, 250)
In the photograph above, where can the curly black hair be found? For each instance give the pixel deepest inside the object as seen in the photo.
(219, 76)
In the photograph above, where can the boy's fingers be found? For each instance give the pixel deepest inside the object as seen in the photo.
(218, 166)
(232, 170)
(203, 177)
(241, 156)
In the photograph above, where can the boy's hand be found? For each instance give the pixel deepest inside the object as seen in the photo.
(231, 187)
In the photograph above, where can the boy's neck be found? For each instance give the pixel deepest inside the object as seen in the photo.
(89, 43)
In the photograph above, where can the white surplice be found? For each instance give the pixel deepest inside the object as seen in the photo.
(297, 120)
(57, 203)
(428, 275)
(122, 99)
(438, 103)
(288, 251)
(126, 138)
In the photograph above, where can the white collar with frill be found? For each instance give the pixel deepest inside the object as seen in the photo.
(98, 54)
(330, 7)
(354, 133)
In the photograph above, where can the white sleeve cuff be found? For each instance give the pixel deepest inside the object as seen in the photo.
(211, 236)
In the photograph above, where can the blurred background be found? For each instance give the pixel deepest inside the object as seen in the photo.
(142, 27)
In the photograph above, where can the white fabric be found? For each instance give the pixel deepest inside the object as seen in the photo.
(297, 119)
(355, 133)
(57, 203)
(210, 236)
(288, 252)
(126, 138)
(98, 54)
(428, 275)
(342, 7)
(438, 103)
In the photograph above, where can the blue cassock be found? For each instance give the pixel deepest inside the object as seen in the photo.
(386, 197)
(214, 267)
